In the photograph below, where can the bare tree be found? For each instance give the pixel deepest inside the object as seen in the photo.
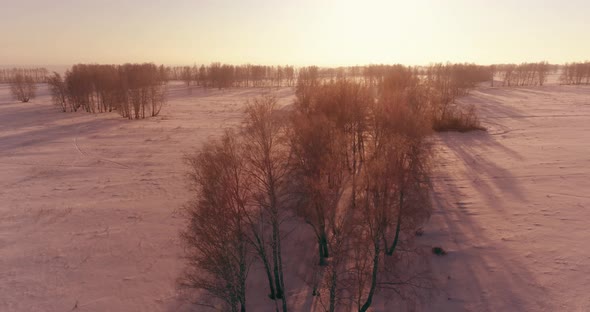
(23, 88)
(59, 92)
(217, 246)
(187, 76)
(318, 174)
(325, 142)
(267, 155)
(493, 71)
(542, 70)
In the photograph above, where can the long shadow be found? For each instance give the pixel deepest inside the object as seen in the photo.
(474, 150)
(31, 114)
(40, 137)
(491, 103)
(486, 278)
(578, 90)
(504, 92)
(6, 97)
(490, 275)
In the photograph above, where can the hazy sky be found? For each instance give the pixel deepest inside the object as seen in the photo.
(321, 32)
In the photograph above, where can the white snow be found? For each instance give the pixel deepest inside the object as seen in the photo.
(89, 222)
(512, 205)
(87, 202)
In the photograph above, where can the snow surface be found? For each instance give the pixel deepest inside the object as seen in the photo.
(512, 205)
(89, 204)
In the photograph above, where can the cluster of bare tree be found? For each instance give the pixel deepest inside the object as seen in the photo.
(575, 73)
(451, 81)
(38, 75)
(134, 90)
(349, 162)
(525, 74)
(438, 86)
(359, 167)
(23, 88)
(239, 208)
(218, 75)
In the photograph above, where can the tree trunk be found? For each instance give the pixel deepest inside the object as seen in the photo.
(369, 300)
(277, 282)
(281, 279)
(321, 253)
(333, 286)
(272, 294)
(323, 247)
(398, 227)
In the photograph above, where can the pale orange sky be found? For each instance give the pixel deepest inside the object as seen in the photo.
(321, 32)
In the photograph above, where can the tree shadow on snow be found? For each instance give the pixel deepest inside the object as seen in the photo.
(481, 272)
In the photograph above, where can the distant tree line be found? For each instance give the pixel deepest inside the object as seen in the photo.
(248, 75)
(575, 73)
(37, 75)
(134, 90)
(457, 78)
(525, 74)
(217, 75)
(454, 77)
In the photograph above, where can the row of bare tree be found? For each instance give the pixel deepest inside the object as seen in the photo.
(224, 76)
(576, 73)
(38, 75)
(218, 75)
(348, 162)
(133, 90)
(525, 74)
(459, 77)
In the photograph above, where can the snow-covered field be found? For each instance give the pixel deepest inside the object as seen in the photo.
(512, 205)
(89, 222)
(87, 202)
